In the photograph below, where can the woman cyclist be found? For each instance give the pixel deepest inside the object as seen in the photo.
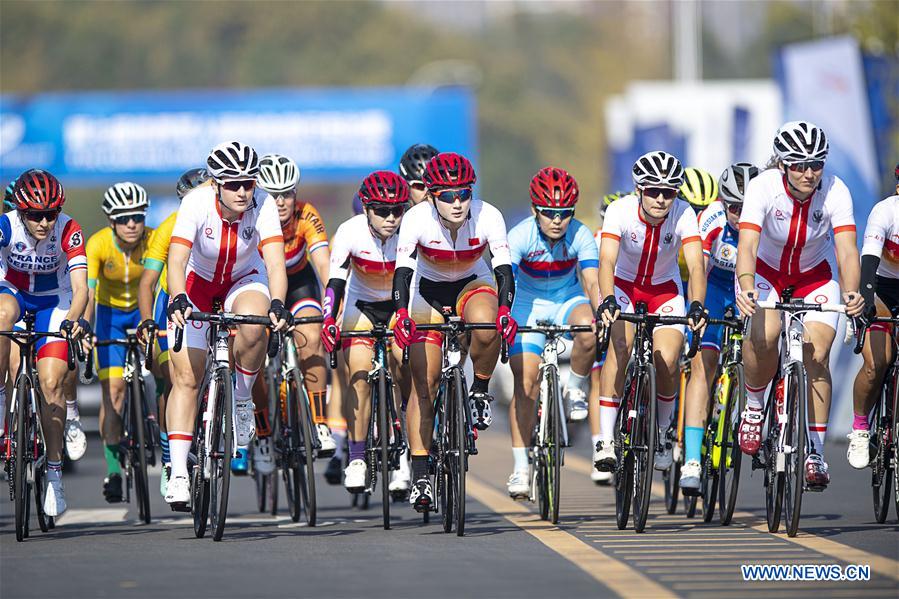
(797, 224)
(718, 228)
(412, 169)
(442, 242)
(214, 259)
(638, 263)
(363, 257)
(44, 272)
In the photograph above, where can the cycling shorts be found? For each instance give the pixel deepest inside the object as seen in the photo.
(718, 297)
(429, 297)
(888, 294)
(49, 312)
(528, 308)
(815, 285)
(111, 323)
(361, 316)
(203, 294)
(303, 290)
(160, 303)
(665, 298)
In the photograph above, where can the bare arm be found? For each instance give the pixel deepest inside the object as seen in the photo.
(747, 252)
(145, 289)
(321, 261)
(850, 270)
(273, 255)
(696, 268)
(79, 295)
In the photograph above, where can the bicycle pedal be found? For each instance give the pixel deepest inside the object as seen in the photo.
(180, 507)
(325, 453)
(815, 488)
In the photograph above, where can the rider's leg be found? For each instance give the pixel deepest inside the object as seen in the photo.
(113, 389)
(485, 344)
(667, 346)
(593, 403)
(525, 370)
(357, 403)
(760, 356)
(51, 371)
(426, 360)
(9, 315)
(583, 350)
(818, 341)
(702, 375)
(181, 409)
(312, 362)
(877, 354)
(611, 378)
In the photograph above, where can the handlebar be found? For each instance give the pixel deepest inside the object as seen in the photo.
(861, 329)
(22, 338)
(653, 320)
(228, 319)
(798, 306)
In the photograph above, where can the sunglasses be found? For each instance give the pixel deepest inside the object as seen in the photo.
(735, 208)
(552, 213)
(126, 218)
(665, 192)
(801, 167)
(417, 185)
(239, 184)
(385, 211)
(451, 195)
(37, 216)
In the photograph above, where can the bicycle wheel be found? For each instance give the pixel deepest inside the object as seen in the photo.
(134, 402)
(20, 485)
(624, 473)
(199, 484)
(881, 468)
(794, 470)
(894, 435)
(446, 482)
(671, 480)
(542, 482)
(731, 457)
(645, 437)
(554, 449)
(262, 484)
(39, 485)
(222, 448)
(384, 428)
(774, 480)
(304, 470)
(460, 454)
(708, 481)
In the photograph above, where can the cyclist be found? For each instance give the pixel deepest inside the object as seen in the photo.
(443, 242)
(114, 266)
(880, 289)
(796, 223)
(699, 190)
(547, 250)
(153, 298)
(718, 228)
(412, 169)
(44, 271)
(363, 257)
(213, 258)
(638, 263)
(307, 255)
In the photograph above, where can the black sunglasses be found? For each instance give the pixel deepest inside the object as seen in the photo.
(385, 211)
(417, 185)
(126, 218)
(37, 216)
(665, 192)
(801, 167)
(451, 195)
(239, 184)
(552, 213)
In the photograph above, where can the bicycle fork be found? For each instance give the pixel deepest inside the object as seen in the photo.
(221, 361)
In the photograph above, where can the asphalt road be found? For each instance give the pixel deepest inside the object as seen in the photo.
(98, 551)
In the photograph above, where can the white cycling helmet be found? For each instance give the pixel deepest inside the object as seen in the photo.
(125, 198)
(799, 141)
(232, 161)
(658, 169)
(277, 174)
(733, 181)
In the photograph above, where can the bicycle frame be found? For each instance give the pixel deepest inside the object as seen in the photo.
(217, 358)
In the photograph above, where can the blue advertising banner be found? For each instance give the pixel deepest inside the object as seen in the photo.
(334, 134)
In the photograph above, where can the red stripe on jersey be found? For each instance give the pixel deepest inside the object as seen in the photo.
(73, 240)
(227, 252)
(750, 227)
(892, 248)
(789, 258)
(373, 267)
(844, 229)
(438, 255)
(18, 279)
(710, 240)
(649, 255)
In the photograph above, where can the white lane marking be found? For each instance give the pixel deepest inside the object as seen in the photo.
(92, 516)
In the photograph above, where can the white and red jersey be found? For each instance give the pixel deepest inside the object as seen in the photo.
(40, 267)
(359, 257)
(882, 236)
(647, 254)
(223, 251)
(796, 236)
(427, 246)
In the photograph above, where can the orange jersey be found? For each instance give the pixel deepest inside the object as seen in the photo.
(304, 234)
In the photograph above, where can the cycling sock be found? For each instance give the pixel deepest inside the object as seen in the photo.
(480, 384)
(164, 445)
(72, 410)
(693, 443)
(319, 401)
(111, 453)
(608, 413)
(816, 434)
(520, 459)
(859, 422)
(54, 471)
(357, 450)
(755, 397)
(578, 381)
(419, 467)
(243, 387)
(666, 409)
(179, 446)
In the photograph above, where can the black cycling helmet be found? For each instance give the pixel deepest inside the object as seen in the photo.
(414, 161)
(189, 180)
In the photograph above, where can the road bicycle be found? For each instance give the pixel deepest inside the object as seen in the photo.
(24, 447)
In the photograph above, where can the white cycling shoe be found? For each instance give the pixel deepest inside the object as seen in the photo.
(263, 460)
(245, 422)
(354, 476)
(401, 479)
(604, 458)
(859, 452)
(178, 490)
(519, 485)
(326, 440)
(689, 478)
(664, 459)
(600, 478)
(576, 400)
(55, 498)
(76, 441)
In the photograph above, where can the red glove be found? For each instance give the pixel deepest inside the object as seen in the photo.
(330, 334)
(403, 329)
(506, 325)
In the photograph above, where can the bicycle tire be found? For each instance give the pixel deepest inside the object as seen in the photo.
(304, 472)
(199, 484)
(774, 480)
(671, 480)
(794, 473)
(709, 477)
(461, 442)
(894, 437)
(731, 458)
(273, 493)
(624, 479)
(261, 491)
(20, 486)
(647, 432)
(40, 477)
(445, 480)
(384, 428)
(554, 469)
(881, 468)
(542, 485)
(138, 447)
(223, 443)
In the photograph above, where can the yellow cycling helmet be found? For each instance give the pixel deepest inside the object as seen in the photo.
(699, 189)
(608, 199)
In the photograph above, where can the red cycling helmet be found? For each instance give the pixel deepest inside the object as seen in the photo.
(449, 169)
(384, 187)
(554, 188)
(37, 189)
